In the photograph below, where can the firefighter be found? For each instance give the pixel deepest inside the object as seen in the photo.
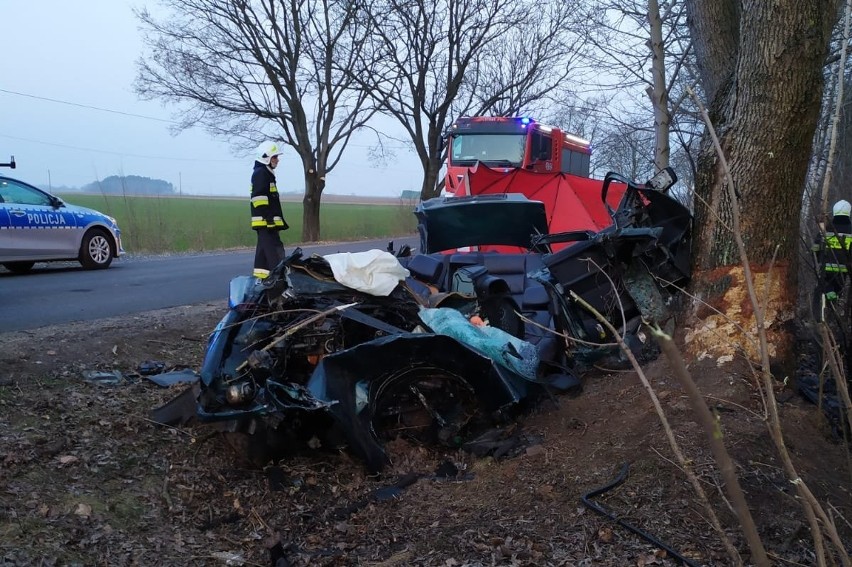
(267, 218)
(841, 222)
(835, 250)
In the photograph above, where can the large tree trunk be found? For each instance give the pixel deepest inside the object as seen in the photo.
(761, 70)
(314, 185)
(430, 187)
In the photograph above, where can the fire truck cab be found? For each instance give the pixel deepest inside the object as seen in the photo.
(511, 143)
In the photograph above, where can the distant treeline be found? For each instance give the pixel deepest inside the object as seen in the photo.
(129, 185)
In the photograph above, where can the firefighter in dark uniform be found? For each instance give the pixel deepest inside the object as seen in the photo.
(267, 219)
(834, 249)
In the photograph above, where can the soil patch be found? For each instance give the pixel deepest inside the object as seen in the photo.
(86, 478)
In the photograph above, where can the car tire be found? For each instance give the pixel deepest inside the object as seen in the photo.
(96, 251)
(19, 267)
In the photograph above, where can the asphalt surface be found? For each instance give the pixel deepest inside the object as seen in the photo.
(62, 292)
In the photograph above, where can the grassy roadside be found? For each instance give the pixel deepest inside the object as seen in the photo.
(180, 224)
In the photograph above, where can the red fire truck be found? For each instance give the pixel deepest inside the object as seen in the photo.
(509, 143)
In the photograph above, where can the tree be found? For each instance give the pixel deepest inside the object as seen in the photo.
(830, 164)
(254, 69)
(624, 148)
(578, 116)
(642, 46)
(760, 67)
(430, 61)
(130, 185)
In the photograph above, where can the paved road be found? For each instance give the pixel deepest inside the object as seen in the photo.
(63, 292)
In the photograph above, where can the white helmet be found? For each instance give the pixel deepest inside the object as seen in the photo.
(842, 208)
(266, 151)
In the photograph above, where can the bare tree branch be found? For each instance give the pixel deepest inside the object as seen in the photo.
(247, 70)
(430, 61)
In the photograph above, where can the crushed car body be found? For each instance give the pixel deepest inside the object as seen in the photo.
(325, 352)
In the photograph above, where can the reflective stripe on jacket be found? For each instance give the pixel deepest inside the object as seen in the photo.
(838, 241)
(835, 254)
(265, 205)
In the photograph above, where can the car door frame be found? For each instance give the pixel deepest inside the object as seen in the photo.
(39, 229)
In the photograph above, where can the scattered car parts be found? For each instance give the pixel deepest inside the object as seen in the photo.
(464, 341)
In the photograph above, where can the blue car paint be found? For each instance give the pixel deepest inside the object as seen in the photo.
(50, 231)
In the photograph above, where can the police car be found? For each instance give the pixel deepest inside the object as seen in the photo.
(36, 226)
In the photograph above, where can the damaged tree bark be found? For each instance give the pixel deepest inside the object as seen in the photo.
(761, 71)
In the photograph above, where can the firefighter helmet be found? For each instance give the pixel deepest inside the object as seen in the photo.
(266, 151)
(842, 208)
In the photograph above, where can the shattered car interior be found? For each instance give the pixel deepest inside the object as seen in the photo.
(439, 345)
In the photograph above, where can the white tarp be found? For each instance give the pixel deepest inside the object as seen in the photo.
(375, 271)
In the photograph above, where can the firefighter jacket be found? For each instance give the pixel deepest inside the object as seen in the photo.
(265, 204)
(835, 245)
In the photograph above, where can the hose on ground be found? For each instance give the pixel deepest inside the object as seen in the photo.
(622, 476)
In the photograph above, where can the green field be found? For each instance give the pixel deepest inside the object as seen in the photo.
(180, 224)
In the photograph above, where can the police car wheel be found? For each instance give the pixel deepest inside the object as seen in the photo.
(19, 267)
(96, 250)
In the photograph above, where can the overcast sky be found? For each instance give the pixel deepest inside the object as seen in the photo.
(85, 53)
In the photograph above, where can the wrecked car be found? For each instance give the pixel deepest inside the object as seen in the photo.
(439, 345)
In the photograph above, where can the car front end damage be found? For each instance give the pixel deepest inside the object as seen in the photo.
(306, 359)
(463, 340)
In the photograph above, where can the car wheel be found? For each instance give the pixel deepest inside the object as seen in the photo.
(19, 267)
(425, 404)
(96, 250)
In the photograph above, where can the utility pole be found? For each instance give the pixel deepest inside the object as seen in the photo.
(49, 184)
(180, 183)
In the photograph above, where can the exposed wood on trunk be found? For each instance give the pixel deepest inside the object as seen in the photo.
(761, 69)
(725, 325)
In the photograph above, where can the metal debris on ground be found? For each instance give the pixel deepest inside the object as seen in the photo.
(168, 379)
(104, 378)
(149, 367)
